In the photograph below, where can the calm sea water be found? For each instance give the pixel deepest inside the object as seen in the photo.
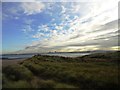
(7, 56)
(19, 56)
(68, 54)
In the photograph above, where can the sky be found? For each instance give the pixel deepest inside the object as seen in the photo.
(37, 27)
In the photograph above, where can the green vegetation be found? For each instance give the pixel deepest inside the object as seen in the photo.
(62, 72)
(109, 57)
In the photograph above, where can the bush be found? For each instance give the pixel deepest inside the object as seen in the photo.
(47, 83)
(17, 84)
(62, 85)
(40, 72)
(17, 72)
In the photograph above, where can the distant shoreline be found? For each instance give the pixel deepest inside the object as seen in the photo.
(20, 56)
(96, 57)
(63, 54)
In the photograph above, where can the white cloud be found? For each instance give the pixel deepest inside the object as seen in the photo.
(41, 31)
(43, 28)
(16, 18)
(30, 8)
(28, 21)
(38, 35)
(89, 29)
(59, 27)
(27, 29)
(53, 20)
(63, 10)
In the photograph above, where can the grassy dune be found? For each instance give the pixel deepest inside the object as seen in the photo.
(96, 71)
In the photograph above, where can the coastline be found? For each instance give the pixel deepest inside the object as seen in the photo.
(7, 62)
(43, 71)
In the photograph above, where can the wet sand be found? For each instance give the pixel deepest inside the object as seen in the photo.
(7, 62)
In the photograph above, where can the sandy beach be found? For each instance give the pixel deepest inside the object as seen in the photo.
(6, 62)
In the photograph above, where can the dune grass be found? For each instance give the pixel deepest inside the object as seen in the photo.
(60, 72)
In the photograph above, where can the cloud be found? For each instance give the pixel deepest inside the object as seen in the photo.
(27, 29)
(63, 9)
(38, 35)
(28, 21)
(19, 1)
(31, 8)
(41, 31)
(16, 18)
(82, 26)
(43, 28)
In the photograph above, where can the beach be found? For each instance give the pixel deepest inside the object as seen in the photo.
(7, 62)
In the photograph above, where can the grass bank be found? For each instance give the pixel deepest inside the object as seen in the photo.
(96, 71)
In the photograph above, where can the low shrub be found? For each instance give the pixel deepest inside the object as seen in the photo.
(17, 84)
(17, 72)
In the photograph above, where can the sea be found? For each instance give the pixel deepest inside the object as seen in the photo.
(25, 56)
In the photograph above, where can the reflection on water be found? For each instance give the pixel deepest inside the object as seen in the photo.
(68, 54)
